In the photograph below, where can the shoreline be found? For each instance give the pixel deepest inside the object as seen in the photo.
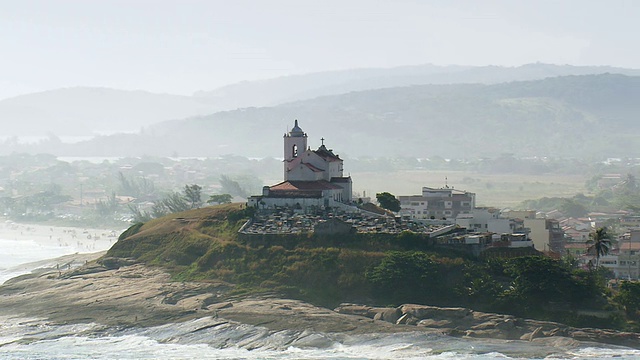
(123, 294)
(22, 244)
(11, 230)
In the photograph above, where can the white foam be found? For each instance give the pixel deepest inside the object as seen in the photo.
(21, 246)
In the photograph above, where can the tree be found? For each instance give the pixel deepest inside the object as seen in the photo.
(629, 297)
(138, 215)
(232, 187)
(388, 201)
(573, 208)
(107, 207)
(599, 243)
(409, 276)
(193, 195)
(537, 280)
(220, 199)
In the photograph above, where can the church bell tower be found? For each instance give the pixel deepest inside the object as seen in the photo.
(295, 143)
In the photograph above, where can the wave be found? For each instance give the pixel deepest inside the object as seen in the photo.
(213, 338)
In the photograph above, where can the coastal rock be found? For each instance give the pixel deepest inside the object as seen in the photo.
(141, 296)
(387, 314)
(606, 336)
(115, 263)
(434, 312)
(354, 309)
(485, 334)
(537, 333)
(407, 319)
(431, 323)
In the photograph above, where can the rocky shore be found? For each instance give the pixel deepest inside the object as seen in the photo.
(463, 322)
(117, 292)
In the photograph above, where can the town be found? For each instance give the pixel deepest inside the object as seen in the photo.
(316, 197)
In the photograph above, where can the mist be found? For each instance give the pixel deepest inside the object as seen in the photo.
(488, 96)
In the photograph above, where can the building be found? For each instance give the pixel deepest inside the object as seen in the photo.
(311, 177)
(441, 203)
(546, 235)
(485, 219)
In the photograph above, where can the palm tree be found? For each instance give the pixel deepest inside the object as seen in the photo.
(599, 243)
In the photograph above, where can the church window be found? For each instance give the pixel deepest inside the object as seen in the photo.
(295, 150)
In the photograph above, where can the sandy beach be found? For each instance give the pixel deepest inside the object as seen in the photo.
(24, 247)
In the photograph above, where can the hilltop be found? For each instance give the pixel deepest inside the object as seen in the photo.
(204, 245)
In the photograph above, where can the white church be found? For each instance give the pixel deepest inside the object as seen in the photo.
(311, 177)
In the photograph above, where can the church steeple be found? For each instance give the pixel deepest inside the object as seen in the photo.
(295, 143)
(296, 131)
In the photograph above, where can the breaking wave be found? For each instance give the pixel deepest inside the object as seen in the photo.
(212, 338)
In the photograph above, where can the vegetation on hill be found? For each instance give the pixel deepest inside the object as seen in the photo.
(204, 244)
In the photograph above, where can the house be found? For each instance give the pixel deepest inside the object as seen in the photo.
(443, 203)
(311, 177)
(546, 234)
(482, 219)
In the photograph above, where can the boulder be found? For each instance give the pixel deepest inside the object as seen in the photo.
(433, 312)
(431, 323)
(407, 319)
(354, 309)
(490, 333)
(485, 325)
(537, 333)
(387, 314)
(115, 262)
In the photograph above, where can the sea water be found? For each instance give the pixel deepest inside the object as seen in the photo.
(22, 254)
(210, 338)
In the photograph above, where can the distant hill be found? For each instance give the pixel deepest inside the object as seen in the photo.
(307, 86)
(86, 110)
(572, 116)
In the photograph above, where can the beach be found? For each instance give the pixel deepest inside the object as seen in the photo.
(24, 247)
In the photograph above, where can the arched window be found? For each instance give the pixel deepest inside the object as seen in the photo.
(294, 151)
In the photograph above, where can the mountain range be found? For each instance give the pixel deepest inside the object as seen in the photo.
(489, 115)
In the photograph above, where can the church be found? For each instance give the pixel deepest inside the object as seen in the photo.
(311, 177)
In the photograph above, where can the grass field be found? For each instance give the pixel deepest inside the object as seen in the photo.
(498, 190)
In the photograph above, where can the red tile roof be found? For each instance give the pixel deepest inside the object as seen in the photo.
(304, 186)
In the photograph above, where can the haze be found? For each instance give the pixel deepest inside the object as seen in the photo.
(180, 47)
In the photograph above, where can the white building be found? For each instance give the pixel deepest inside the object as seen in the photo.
(311, 177)
(441, 203)
(486, 220)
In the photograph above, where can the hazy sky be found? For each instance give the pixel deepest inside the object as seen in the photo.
(183, 46)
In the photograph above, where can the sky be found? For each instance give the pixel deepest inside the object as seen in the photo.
(179, 47)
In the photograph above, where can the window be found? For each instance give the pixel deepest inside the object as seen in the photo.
(294, 151)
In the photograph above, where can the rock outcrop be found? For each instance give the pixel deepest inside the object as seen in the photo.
(465, 322)
(123, 294)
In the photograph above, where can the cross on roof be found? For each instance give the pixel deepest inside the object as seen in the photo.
(322, 139)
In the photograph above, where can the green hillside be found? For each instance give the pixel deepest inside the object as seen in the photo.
(376, 269)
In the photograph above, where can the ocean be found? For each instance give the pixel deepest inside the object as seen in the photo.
(209, 338)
